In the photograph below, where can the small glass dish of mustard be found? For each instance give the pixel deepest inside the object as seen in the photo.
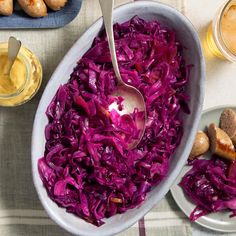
(24, 80)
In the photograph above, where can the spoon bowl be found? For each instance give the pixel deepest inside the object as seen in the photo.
(132, 98)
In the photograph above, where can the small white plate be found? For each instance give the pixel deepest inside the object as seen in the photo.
(219, 221)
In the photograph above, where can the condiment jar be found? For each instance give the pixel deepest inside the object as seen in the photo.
(25, 77)
(221, 34)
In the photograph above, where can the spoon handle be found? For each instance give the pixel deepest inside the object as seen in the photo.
(14, 46)
(107, 12)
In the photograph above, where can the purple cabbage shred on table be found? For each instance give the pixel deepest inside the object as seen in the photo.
(211, 185)
(87, 167)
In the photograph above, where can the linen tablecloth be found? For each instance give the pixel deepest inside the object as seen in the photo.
(21, 213)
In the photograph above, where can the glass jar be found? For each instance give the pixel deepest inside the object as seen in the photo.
(216, 40)
(29, 82)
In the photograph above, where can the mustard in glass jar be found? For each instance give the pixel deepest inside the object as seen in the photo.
(24, 80)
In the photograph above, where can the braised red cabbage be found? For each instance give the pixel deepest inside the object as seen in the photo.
(211, 185)
(87, 167)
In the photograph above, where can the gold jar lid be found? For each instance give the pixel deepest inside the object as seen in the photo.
(26, 78)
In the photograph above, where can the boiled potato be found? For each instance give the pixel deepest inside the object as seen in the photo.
(6, 7)
(200, 146)
(55, 4)
(34, 8)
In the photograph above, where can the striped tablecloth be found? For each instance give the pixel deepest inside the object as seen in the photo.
(21, 213)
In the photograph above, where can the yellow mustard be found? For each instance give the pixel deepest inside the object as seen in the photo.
(13, 82)
(24, 80)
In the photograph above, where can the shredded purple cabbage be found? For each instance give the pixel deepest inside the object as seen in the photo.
(211, 185)
(87, 167)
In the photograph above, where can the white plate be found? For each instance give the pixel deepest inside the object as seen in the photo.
(219, 221)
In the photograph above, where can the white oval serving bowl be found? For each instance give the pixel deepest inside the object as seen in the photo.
(188, 37)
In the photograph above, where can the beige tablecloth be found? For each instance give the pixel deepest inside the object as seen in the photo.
(21, 213)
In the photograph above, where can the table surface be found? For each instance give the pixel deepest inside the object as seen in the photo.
(21, 213)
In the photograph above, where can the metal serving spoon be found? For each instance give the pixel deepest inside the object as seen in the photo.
(132, 96)
(14, 46)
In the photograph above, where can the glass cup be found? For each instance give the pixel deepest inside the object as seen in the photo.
(221, 34)
(30, 83)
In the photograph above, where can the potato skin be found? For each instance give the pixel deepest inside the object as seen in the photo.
(6, 7)
(200, 146)
(55, 4)
(34, 8)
